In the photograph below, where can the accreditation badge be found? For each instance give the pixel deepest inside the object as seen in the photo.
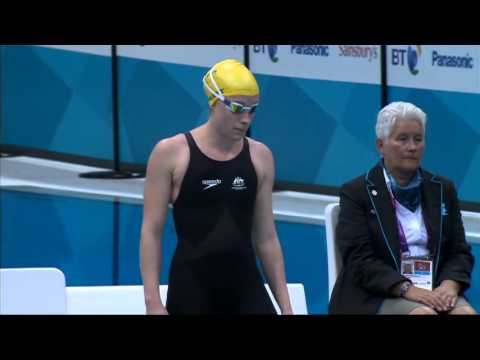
(419, 272)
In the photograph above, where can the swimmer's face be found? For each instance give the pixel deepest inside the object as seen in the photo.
(237, 115)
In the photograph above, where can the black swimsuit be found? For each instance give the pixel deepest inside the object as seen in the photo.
(214, 268)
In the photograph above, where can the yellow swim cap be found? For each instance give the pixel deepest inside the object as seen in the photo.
(228, 78)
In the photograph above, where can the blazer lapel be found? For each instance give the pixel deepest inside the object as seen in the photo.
(432, 212)
(382, 203)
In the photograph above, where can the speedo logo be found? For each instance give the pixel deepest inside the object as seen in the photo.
(210, 183)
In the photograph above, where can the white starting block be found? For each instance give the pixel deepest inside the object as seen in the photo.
(129, 300)
(43, 291)
(32, 291)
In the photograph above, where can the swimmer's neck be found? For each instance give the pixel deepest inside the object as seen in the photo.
(207, 134)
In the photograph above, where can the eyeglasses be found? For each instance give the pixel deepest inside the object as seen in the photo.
(234, 107)
(237, 108)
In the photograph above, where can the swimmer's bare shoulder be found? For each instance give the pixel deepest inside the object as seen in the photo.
(262, 158)
(169, 160)
(169, 152)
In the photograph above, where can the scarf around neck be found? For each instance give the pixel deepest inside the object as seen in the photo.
(410, 195)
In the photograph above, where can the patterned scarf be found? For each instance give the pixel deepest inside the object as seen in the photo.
(410, 195)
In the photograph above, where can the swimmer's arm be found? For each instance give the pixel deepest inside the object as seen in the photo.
(156, 197)
(264, 233)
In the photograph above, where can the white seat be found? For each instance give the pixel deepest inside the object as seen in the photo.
(296, 292)
(108, 300)
(125, 300)
(32, 291)
(333, 256)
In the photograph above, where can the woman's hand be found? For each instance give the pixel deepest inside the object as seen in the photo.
(435, 300)
(157, 309)
(287, 311)
(448, 292)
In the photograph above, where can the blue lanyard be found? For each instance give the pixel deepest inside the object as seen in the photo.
(403, 239)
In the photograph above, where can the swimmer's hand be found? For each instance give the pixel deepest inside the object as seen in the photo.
(158, 309)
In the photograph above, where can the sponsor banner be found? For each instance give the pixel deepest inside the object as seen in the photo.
(104, 50)
(194, 55)
(349, 63)
(434, 67)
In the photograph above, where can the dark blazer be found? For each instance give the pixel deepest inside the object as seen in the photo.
(368, 240)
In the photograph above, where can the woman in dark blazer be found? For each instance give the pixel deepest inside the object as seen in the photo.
(396, 212)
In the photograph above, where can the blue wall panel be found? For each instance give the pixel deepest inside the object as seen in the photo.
(56, 100)
(74, 235)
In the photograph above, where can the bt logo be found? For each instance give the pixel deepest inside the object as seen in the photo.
(272, 51)
(398, 57)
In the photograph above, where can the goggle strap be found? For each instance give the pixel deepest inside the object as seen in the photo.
(215, 84)
(218, 95)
